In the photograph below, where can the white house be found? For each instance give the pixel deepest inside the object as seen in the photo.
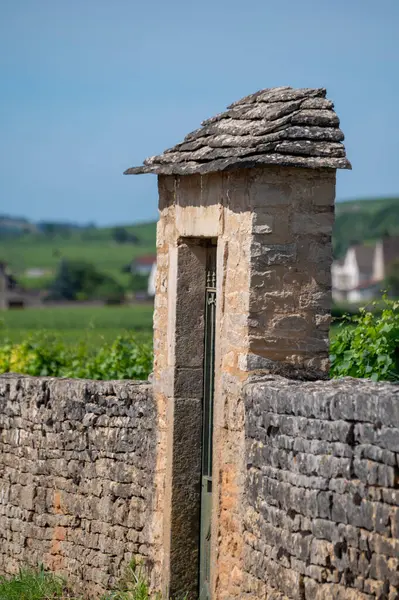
(151, 280)
(355, 269)
(360, 274)
(143, 264)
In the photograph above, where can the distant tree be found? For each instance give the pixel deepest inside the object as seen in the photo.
(46, 228)
(80, 280)
(51, 230)
(139, 283)
(110, 291)
(122, 236)
(370, 221)
(64, 286)
(133, 238)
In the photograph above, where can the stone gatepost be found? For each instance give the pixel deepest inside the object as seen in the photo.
(243, 285)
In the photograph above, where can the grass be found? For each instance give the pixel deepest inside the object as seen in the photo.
(39, 584)
(32, 584)
(96, 246)
(75, 324)
(93, 325)
(132, 585)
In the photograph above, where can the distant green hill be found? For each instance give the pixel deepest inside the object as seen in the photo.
(37, 250)
(359, 221)
(32, 248)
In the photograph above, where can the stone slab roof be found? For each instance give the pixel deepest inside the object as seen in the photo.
(276, 126)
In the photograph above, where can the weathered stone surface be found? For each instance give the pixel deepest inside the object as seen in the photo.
(191, 167)
(210, 206)
(264, 111)
(281, 94)
(315, 133)
(319, 512)
(320, 118)
(265, 255)
(252, 126)
(77, 462)
(313, 509)
(309, 148)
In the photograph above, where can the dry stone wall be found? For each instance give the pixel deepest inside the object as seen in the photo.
(77, 461)
(318, 517)
(322, 490)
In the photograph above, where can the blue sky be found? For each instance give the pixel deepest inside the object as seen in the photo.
(91, 87)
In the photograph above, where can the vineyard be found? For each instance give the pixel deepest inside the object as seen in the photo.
(116, 342)
(92, 325)
(90, 342)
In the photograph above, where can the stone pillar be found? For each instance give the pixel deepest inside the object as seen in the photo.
(290, 266)
(272, 226)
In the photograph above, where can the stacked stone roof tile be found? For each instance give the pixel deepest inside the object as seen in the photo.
(276, 126)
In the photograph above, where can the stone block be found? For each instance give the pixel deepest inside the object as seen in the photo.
(264, 255)
(310, 224)
(188, 383)
(323, 192)
(266, 194)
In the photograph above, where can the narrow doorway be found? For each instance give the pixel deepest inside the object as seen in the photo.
(207, 424)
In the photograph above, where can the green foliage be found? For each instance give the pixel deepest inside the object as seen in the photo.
(52, 230)
(34, 584)
(114, 318)
(94, 343)
(96, 245)
(80, 280)
(35, 283)
(109, 290)
(48, 356)
(343, 309)
(133, 585)
(122, 236)
(369, 347)
(90, 325)
(139, 282)
(39, 584)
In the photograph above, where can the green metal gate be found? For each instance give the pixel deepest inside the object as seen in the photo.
(207, 425)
